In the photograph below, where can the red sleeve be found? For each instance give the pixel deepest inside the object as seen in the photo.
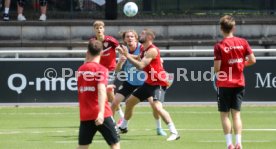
(114, 41)
(217, 52)
(248, 48)
(103, 76)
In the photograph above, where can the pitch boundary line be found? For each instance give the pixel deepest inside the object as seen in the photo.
(57, 104)
(138, 112)
(245, 141)
(22, 131)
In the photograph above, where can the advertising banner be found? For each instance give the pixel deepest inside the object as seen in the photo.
(55, 80)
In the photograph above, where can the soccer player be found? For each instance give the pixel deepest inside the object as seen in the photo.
(134, 78)
(231, 55)
(95, 112)
(108, 57)
(155, 84)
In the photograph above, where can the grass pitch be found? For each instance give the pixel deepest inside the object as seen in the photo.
(199, 127)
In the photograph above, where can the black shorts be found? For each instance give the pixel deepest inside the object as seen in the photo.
(230, 98)
(146, 91)
(88, 130)
(111, 77)
(127, 89)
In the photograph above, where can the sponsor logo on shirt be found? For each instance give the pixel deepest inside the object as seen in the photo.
(87, 89)
(234, 61)
(105, 44)
(228, 49)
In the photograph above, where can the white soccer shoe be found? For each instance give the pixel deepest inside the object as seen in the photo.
(42, 17)
(20, 17)
(173, 137)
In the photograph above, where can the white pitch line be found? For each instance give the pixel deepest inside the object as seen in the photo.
(248, 141)
(33, 132)
(265, 129)
(32, 113)
(94, 141)
(9, 132)
(188, 104)
(146, 129)
(138, 112)
(259, 129)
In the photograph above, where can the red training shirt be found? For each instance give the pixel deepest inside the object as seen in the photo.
(108, 58)
(155, 72)
(232, 52)
(89, 76)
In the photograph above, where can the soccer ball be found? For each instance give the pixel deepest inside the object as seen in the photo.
(130, 9)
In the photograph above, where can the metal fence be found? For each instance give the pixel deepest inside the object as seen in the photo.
(79, 54)
(81, 9)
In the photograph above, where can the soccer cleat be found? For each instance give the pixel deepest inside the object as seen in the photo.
(122, 130)
(161, 132)
(173, 137)
(42, 17)
(231, 146)
(238, 146)
(120, 121)
(6, 17)
(20, 17)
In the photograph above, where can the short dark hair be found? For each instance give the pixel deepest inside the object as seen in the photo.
(227, 23)
(95, 47)
(150, 33)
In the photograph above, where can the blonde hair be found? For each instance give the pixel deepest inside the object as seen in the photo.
(127, 31)
(227, 23)
(98, 23)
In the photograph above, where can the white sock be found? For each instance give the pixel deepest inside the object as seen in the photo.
(120, 112)
(7, 10)
(228, 138)
(20, 14)
(158, 123)
(238, 138)
(172, 128)
(124, 124)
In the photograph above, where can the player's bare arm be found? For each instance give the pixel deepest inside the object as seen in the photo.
(120, 63)
(135, 57)
(251, 60)
(217, 64)
(101, 101)
(149, 56)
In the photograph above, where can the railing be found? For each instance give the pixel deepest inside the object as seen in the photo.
(76, 9)
(17, 53)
